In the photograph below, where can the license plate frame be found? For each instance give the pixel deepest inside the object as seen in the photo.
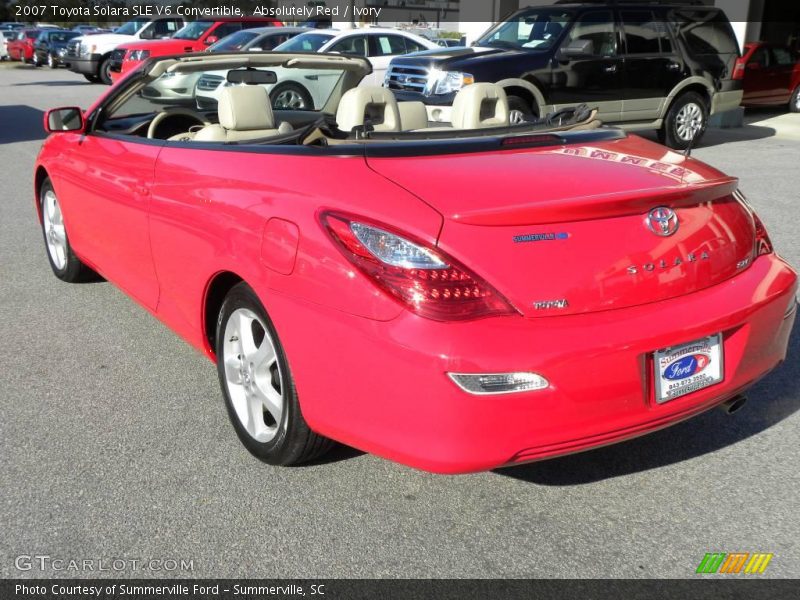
(687, 368)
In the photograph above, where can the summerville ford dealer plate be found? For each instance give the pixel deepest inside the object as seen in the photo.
(685, 369)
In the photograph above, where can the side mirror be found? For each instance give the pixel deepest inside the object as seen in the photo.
(63, 119)
(212, 39)
(578, 49)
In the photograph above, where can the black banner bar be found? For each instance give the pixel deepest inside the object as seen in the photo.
(403, 589)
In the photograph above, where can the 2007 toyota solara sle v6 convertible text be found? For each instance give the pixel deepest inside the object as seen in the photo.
(455, 298)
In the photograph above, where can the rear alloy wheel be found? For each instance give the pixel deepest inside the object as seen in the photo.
(686, 122)
(51, 61)
(794, 103)
(66, 266)
(291, 96)
(104, 72)
(519, 111)
(257, 385)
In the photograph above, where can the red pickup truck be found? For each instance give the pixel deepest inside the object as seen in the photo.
(194, 37)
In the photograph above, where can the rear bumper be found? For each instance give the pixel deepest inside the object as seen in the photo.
(382, 386)
(85, 65)
(727, 100)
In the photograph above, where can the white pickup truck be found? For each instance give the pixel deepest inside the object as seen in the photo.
(90, 55)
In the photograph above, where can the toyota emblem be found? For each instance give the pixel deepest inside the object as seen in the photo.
(662, 221)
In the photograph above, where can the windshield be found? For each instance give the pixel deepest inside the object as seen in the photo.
(536, 29)
(305, 42)
(131, 27)
(63, 36)
(234, 42)
(193, 31)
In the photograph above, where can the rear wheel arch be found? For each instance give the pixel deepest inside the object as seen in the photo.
(699, 86)
(216, 291)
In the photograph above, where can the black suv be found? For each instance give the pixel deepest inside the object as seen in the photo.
(643, 66)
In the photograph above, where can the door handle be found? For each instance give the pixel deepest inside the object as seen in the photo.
(611, 69)
(673, 66)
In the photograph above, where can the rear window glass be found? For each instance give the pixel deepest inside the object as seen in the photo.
(706, 32)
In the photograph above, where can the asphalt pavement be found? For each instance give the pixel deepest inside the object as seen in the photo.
(114, 442)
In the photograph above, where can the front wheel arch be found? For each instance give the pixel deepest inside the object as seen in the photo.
(39, 179)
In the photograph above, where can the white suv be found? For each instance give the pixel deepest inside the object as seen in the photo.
(307, 92)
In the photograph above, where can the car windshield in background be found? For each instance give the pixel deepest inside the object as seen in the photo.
(63, 36)
(534, 30)
(234, 42)
(295, 88)
(305, 42)
(131, 27)
(193, 31)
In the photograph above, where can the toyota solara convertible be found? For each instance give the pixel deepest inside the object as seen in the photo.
(454, 297)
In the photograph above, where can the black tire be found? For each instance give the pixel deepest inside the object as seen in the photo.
(794, 103)
(302, 100)
(91, 78)
(292, 442)
(673, 132)
(73, 270)
(515, 103)
(104, 71)
(52, 62)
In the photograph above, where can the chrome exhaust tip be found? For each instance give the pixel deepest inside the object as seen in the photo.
(734, 404)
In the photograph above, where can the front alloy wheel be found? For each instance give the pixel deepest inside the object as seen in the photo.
(291, 96)
(66, 266)
(257, 385)
(51, 61)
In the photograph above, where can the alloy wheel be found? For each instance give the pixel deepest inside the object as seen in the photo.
(55, 233)
(289, 99)
(689, 121)
(253, 375)
(516, 117)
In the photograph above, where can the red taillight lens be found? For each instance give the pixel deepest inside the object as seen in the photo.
(738, 69)
(424, 279)
(763, 243)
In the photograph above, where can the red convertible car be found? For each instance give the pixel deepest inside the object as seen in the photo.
(455, 298)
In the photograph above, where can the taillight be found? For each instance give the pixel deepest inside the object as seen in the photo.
(763, 243)
(738, 69)
(425, 280)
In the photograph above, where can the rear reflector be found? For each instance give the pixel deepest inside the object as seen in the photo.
(498, 383)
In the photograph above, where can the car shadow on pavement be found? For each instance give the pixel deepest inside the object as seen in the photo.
(770, 401)
(21, 124)
(716, 136)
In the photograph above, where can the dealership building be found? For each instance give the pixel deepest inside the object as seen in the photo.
(776, 21)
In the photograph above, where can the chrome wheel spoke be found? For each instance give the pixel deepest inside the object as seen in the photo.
(272, 400)
(233, 370)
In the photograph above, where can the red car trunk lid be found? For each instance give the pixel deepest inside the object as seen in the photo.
(568, 229)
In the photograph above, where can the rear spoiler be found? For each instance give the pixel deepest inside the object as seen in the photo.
(603, 206)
